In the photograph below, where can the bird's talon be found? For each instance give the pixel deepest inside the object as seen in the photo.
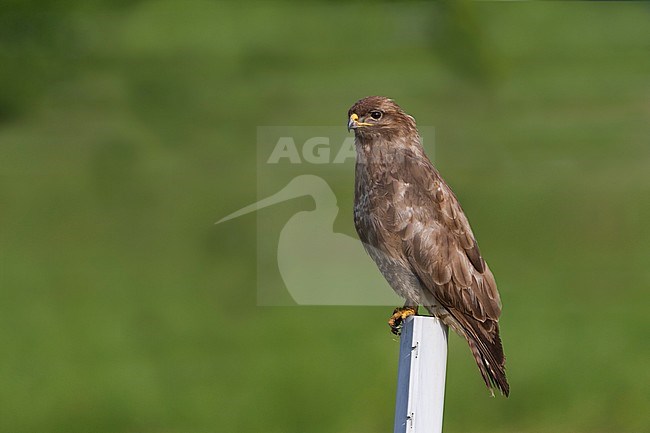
(397, 319)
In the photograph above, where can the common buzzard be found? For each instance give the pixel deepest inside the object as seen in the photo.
(413, 227)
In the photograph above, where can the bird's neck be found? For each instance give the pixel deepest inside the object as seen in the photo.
(379, 150)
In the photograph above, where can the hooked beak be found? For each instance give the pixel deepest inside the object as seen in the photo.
(354, 123)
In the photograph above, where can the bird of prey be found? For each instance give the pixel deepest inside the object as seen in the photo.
(411, 224)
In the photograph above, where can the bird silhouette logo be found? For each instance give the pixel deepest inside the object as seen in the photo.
(319, 266)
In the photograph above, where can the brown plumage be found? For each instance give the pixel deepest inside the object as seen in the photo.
(413, 227)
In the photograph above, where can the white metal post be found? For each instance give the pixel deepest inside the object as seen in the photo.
(421, 376)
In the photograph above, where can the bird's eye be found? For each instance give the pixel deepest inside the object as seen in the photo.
(375, 114)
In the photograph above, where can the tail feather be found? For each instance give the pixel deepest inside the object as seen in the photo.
(485, 344)
(491, 362)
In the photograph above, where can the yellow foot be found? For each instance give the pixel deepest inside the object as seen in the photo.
(397, 319)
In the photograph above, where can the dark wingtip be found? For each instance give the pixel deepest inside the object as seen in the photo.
(490, 362)
(502, 385)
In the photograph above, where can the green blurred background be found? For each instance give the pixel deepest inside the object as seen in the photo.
(128, 128)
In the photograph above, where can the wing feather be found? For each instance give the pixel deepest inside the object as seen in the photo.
(442, 251)
(437, 240)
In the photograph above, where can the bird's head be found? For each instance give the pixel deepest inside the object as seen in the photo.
(376, 116)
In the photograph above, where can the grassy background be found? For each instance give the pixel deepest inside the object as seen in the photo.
(127, 129)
